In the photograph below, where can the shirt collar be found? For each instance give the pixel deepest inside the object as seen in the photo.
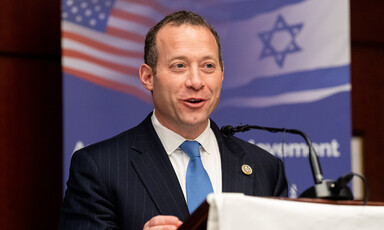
(171, 140)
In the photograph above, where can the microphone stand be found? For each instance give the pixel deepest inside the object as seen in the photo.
(323, 188)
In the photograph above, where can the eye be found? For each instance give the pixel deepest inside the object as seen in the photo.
(209, 67)
(178, 66)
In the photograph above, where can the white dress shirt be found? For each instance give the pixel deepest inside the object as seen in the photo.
(209, 151)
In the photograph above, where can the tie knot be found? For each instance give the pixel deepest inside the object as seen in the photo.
(191, 148)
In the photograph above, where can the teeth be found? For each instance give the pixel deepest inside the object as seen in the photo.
(193, 100)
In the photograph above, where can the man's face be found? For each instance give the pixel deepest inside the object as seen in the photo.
(186, 88)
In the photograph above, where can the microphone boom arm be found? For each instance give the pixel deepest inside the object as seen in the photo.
(313, 158)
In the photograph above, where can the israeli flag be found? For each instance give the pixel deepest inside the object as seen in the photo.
(298, 53)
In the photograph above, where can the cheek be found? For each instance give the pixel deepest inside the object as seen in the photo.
(165, 91)
(215, 86)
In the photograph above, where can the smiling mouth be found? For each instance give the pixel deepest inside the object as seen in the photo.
(194, 100)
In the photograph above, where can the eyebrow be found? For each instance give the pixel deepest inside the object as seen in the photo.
(186, 58)
(178, 57)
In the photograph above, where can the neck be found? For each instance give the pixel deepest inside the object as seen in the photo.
(189, 132)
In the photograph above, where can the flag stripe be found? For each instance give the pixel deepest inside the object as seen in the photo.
(298, 81)
(118, 13)
(94, 69)
(109, 84)
(118, 59)
(305, 96)
(125, 34)
(151, 9)
(106, 39)
(128, 26)
(66, 35)
(116, 67)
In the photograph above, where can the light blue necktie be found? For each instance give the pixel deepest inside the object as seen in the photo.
(198, 184)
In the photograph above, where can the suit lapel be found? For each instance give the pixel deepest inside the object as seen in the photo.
(157, 175)
(156, 172)
(233, 157)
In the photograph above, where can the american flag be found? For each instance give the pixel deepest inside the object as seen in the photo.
(103, 41)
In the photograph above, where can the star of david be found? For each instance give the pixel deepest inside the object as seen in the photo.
(270, 39)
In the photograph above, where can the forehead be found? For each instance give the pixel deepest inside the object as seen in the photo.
(181, 36)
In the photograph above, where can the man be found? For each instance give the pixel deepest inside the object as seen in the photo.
(140, 177)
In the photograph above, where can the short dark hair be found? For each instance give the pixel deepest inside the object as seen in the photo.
(175, 19)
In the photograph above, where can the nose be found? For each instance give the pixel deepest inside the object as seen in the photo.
(195, 80)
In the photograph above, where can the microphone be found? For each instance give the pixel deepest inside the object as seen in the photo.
(228, 130)
(323, 188)
(342, 182)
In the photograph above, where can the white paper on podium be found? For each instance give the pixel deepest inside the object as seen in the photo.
(231, 211)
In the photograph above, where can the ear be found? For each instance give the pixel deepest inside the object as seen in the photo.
(222, 77)
(146, 76)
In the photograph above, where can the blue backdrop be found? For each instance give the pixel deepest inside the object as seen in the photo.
(286, 65)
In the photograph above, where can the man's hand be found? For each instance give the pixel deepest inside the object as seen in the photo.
(163, 222)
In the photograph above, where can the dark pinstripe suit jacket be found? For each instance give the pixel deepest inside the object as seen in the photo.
(122, 182)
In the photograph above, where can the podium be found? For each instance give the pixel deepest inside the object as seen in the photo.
(237, 211)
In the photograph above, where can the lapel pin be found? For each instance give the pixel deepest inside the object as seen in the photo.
(247, 170)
